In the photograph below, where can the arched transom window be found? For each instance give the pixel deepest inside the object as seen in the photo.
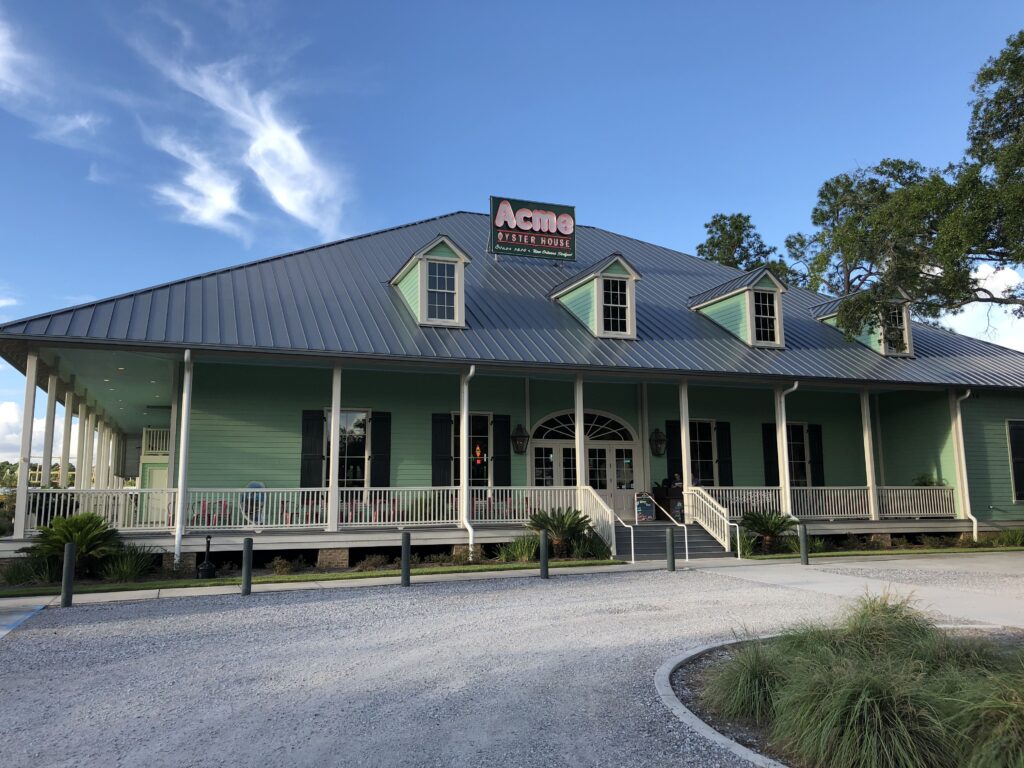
(595, 427)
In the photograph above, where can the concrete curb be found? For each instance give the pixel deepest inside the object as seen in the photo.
(663, 684)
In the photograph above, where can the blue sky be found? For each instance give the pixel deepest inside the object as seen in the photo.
(146, 142)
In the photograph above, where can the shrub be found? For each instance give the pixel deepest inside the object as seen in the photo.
(562, 525)
(438, 558)
(884, 624)
(900, 542)
(745, 688)
(280, 566)
(938, 542)
(815, 544)
(131, 562)
(34, 569)
(768, 525)
(589, 547)
(1013, 537)
(849, 714)
(94, 540)
(522, 549)
(993, 721)
(371, 563)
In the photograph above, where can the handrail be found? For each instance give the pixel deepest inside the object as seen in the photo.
(591, 503)
(714, 518)
(657, 506)
(632, 538)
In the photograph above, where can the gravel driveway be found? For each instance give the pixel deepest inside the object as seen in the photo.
(515, 672)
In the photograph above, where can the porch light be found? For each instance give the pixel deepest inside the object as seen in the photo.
(658, 442)
(520, 439)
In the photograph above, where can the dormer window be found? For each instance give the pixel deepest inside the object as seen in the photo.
(603, 298)
(895, 331)
(616, 306)
(766, 318)
(891, 336)
(432, 283)
(441, 293)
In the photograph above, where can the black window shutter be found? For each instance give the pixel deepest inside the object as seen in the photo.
(311, 467)
(816, 453)
(673, 450)
(771, 455)
(723, 446)
(501, 451)
(1017, 458)
(441, 450)
(380, 449)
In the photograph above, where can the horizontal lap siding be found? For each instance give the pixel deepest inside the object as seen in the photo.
(580, 302)
(842, 436)
(988, 454)
(916, 437)
(731, 314)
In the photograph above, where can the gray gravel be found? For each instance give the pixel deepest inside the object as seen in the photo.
(516, 672)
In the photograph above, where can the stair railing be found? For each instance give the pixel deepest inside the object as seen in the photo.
(676, 523)
(632, 538)
(713, 518)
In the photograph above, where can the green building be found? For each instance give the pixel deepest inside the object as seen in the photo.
(326, 398)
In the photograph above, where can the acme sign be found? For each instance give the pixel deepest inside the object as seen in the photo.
(543, 230)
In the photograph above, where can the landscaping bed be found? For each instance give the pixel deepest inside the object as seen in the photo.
(884, 687)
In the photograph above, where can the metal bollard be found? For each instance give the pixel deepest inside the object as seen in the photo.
(67, 586)
(246, 566)
(406, 553)
(543, 554)
(802, 533)
(670, 549)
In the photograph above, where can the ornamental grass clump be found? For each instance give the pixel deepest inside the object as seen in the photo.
(992, 721)
(522, 549)
(745, 689)
(132, 562)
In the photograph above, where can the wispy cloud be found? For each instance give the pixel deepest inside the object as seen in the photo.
(300, 184)
(14, 63)
(63, 127)
(206, 195)
(6, 301)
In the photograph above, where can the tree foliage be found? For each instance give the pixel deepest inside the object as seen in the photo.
(734, 241)
(899, 228)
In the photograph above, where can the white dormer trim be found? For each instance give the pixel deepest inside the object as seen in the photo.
(780, 333)
(908, 336)
(599, 307)
(421, 261)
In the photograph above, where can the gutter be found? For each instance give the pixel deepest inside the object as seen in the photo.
(464, 456)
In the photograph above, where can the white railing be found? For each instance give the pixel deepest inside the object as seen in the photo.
(742, 499)
(831, 503)
(515, 505)
(123, 508)
(916, 501)
(671, 518)
(390, 507)
(601, 516)
(156, 441)
(709, 515)
(256, 508)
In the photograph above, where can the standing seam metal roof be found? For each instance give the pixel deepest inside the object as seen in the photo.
(335, 299)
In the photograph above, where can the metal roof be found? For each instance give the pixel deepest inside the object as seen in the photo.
(826, 308)
(592, 271)
(335, 300)
(744, 280)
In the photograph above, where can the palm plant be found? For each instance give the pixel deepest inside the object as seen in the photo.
(94, 540)
(767, 525)
(562, 525)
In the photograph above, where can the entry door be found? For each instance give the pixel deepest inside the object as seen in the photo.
(610, 470)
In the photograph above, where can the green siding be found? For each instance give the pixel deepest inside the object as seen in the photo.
(616, 269)
(838, 413)
(731, 314)
(988, 454)
(580, 302)
(409, 287)
(442, 251)
(916, 439)
(871, 339)
(766, 283)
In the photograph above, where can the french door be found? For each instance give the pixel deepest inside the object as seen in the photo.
(611, 469)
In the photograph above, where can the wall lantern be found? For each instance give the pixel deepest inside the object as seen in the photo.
(658, 442)
(520, 439)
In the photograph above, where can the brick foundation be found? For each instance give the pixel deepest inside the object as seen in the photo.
(885, 539)
(187, 567)
(332, 558)
(462, 550)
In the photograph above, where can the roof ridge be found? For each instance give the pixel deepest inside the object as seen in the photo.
(223, 270)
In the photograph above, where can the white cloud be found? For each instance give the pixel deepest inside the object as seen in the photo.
(10, 433)
(206, 195)
(992, 322)
(14, 63)
(294, 178)
(95, 175)
(6, 301)
(63, 127)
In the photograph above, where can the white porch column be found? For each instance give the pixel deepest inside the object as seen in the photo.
(962, 489)
(90, 448)
(83, 425)
(52, 383)
(782, 448)
(25, 455)
(172, 430)
(102, 454)
(684, 433)
(65, 438)
(334, 460)
(869, 454)
(581, 450)
(181, 499)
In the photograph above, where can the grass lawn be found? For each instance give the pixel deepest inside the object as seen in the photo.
(884, 552)
(84, 588)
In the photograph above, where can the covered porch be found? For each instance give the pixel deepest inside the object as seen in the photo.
(182, 446)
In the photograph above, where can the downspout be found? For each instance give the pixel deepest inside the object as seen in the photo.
(961, 464)
(783, 451)
(464, 456)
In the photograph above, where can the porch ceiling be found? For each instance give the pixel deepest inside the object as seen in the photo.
(133, 388)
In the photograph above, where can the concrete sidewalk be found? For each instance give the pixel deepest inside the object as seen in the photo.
(912, 574)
